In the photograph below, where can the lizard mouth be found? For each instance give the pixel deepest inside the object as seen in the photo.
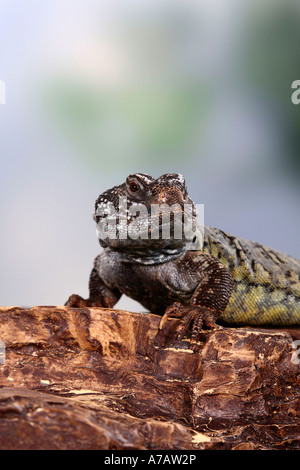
(145, 214)
(170, 230)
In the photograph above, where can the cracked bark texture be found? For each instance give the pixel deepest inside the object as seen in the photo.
(103, 379)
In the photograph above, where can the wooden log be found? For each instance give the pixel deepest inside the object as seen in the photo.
(104, 379)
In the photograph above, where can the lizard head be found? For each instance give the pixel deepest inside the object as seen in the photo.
(146, 214)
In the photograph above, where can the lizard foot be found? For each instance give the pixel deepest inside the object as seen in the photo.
(77, 302)
(194, 318)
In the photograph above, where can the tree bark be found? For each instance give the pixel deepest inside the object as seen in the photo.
(105, 379)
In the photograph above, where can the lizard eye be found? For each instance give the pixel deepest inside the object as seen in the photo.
(134, 187)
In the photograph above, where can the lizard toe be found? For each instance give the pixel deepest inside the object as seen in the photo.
(76, 301)
(176, 310)
(193, 319)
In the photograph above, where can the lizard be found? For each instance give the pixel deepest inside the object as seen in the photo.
(214, 279)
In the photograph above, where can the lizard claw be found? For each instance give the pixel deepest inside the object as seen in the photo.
(173, 311)
(193, 317)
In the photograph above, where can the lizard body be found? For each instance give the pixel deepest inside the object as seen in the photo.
(227, 278)
(266, 288)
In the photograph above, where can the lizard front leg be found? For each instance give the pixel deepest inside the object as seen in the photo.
(208, 301)
(100, 295)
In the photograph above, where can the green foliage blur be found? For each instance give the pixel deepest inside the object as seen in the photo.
(162, 84)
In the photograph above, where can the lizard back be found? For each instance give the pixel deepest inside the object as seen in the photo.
(266, 282)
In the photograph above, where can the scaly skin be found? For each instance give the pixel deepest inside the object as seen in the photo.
(229, 279)
(266, 282)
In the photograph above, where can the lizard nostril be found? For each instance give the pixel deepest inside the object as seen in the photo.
(171, 196)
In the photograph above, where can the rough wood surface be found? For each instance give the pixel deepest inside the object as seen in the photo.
(102, 379)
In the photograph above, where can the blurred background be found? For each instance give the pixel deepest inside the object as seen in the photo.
(99, 89)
